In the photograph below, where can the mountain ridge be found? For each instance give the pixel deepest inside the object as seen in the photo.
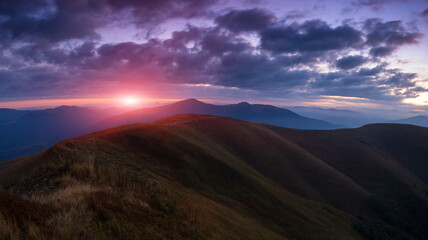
(244, 111)
(29, 132)
(287, 183)
(421, 120)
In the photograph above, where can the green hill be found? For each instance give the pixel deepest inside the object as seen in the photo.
(205, 177)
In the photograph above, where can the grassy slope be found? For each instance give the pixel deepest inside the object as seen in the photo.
(176, 181)
(205, 177)
(389, 159)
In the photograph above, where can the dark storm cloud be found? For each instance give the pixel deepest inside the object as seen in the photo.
(31, 81)
(16, 7)
(376, 83)
(371, 71)
(53, 21)
(310, 36)
(209, 39)
(58, 20)
(245, 20)
(382, 51)
(258, 72)
(400, 79)
(386, 37)
(350, 62)
(56, 56)
(374, 4)
(425, 13)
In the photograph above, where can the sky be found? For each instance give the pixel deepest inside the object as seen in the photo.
(369, 55)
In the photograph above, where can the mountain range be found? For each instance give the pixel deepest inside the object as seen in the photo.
(28, 132)
(417, 120)
(244, 111)
(24, 132)
(192, 176)
(338, 116)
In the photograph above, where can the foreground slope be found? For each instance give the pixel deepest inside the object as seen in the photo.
(207, 177)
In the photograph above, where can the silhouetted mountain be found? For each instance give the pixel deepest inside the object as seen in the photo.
(31, 132)
(244, 111)
(338, 116)
(195, 176)
(417, 120)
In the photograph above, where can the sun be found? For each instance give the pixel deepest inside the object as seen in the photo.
(130, 101)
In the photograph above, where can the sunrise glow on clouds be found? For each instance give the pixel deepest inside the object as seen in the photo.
(319, 53)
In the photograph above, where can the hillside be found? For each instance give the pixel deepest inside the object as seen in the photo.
(244, 111)
(207, 177)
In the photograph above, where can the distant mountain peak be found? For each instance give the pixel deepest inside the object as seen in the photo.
(244, 104)
(419, 117)
(190, 100)
(65, 108)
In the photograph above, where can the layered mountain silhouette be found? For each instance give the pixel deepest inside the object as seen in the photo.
(417, 120)
(244, 111)
(10, 114)
(29, 132)
(193, 176)
(338, 116)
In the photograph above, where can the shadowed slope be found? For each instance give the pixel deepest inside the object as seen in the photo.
(209, 177)
(229, 197)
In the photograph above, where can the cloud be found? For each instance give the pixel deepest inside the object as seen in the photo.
(378, 83)
(350, 62)
(425, 13)
(58, 20)
(375, 5)
(258, 72)
(57, 51)
(245, 20)
(386, 37)
(310, 36)
(54, 21)
(382, 51)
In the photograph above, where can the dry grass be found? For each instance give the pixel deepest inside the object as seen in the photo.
(94, 201)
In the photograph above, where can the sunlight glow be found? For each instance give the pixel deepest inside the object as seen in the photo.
(421, 100)
(344, 97)
(87, 102)
(130, 101)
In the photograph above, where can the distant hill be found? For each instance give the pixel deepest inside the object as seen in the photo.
(10, 114)
(338, 116)
(29, 132)
(417, 120)
(244, 111)
(192, 176)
